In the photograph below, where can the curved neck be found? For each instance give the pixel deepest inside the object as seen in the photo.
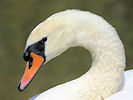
(78, 28)
(107, 53)
(108, 60)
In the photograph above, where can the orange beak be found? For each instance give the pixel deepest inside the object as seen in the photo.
(30, 72)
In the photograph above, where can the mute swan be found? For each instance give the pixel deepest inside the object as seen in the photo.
(72, 28)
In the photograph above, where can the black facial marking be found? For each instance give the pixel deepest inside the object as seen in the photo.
(26, 55)
(38, 48)
(44, 39)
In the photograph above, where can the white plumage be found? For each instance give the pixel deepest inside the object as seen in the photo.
(124, 94)
(81, 28)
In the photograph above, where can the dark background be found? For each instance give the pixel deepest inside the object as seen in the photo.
(19, 17)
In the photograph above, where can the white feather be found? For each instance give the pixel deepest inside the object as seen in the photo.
(81, 28)
(124, 94)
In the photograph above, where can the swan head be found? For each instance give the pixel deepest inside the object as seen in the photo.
(46, 41)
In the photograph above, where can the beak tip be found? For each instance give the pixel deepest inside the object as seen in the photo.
(19, 87)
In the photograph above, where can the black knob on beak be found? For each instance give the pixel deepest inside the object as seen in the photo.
(26, 56)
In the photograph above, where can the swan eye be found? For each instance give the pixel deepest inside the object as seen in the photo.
(43, 40)
(38, 48)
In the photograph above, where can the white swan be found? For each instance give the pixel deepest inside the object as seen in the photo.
(72, 28)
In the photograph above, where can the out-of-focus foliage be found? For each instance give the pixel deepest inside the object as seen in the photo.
(19, 17)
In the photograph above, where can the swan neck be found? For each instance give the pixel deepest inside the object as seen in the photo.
(107, 53)
(108, 63)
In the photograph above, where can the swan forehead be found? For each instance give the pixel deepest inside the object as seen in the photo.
(35, 36)
(40, 31)
(46, 28)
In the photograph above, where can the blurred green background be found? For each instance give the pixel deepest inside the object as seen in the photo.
(19, 17)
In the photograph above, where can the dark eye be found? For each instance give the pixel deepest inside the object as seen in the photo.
(43, 40)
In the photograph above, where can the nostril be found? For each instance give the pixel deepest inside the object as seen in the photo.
(26, 56)
(30, 62)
